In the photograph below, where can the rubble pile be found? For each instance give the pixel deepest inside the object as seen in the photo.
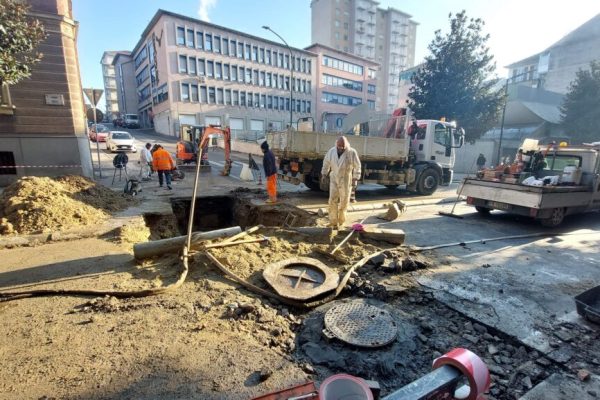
(43, 204)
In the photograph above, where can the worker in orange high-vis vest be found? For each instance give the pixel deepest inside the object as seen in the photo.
(270, 172)
(163, 163)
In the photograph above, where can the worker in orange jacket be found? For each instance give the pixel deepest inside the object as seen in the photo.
(163, 163)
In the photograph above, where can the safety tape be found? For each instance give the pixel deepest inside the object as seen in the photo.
(41, 166)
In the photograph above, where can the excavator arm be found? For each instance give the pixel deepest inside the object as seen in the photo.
(226, 133)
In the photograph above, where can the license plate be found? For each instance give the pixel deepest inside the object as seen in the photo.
(498, 206)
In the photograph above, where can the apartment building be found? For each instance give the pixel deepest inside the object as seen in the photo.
(385, 36)
(189, 71)
(125, 82)
(111, 97)
(42, 121)
(344, 81)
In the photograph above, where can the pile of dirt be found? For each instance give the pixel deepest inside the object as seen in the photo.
(42, 204)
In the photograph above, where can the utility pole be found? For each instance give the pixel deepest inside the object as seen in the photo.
(291, 74)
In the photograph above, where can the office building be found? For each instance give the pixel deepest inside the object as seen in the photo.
(344, 81)
(125, 82)
(111, 97)
(189, 71)
(385, 36)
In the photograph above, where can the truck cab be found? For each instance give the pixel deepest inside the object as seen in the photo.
(131, 121)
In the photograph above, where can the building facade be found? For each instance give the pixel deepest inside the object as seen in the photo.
(344, 81)
(554, 68)
(125, 82)
(189, 71)
(42, 121)
(111, 97)
(385, 36)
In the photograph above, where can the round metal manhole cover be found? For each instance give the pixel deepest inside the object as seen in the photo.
(361, 324)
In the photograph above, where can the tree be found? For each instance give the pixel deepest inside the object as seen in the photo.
(456, 80)
(581, 106)
(19, 37)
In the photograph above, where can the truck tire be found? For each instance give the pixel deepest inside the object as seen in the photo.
(482, 210)
(555, 219)
(311, 184)
(428, 182)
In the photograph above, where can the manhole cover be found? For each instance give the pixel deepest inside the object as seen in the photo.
(300, 278)
(360, 324)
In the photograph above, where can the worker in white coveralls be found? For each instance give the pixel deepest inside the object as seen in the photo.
(342, 165)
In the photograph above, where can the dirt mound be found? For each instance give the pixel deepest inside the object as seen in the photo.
(40, 204)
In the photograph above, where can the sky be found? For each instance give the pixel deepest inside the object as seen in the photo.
(517, 28)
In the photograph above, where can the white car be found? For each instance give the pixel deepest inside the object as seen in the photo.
(120, 141)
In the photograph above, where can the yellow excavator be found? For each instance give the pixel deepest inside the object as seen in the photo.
(193, 137)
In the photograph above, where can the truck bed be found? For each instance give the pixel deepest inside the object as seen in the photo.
(314, 145)
(527, 196)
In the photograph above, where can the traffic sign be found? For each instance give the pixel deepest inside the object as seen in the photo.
(93, 95)
(90, 114)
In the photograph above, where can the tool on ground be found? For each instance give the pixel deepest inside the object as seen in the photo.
(242, 234)
(451, 213)
(133, 187)
(221, 244)
(355, 228)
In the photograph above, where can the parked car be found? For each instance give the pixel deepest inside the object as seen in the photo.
(120, 141)
(98, 133)
(131, 121)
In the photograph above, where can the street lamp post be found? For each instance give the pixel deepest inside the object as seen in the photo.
(291, 72)
(504, 110)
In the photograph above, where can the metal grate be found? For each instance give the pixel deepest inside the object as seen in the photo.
(361, 324)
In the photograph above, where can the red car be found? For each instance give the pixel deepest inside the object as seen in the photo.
(99, 133)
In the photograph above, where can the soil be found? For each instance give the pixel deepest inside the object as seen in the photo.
(42, 204)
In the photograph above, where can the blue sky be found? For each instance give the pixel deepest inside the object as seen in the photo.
(518, 28)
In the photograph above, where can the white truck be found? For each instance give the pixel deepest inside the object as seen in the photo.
(571, 186)
(397, 153)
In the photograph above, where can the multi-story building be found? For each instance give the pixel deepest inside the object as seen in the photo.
(386, 36)
(192, 72)
(110, 83)
(125, 81)
(344, 81)
(42, 121)
(554, 68)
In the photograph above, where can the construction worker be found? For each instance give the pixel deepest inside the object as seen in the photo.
(163, 163)
(270, 172)
(146, 162)
(342, 165)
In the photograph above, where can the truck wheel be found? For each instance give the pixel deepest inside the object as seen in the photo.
(482, 210)
(428, 182)
(555, 219)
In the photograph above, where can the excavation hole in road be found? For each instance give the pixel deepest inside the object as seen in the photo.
(216, 212)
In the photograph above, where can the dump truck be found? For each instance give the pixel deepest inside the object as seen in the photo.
(396, 151)
(545, 184)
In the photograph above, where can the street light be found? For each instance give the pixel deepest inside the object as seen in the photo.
(291, 72)
(504, 110)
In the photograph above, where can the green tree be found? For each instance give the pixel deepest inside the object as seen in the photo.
(19, 37)
(456, 80)
(581, 106)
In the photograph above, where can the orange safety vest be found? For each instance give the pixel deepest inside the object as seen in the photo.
(162, 161)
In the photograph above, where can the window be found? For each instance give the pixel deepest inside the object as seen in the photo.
(225, 47)
(203, 95)
(298, 106)
(335, 81)
(195, 93)
(243, 98)
(234, 74)
(559, 162)
(371, 89)
(208, 42)
(190, 38)
(180, 36)
(249, 100)
(255, 77)
(441, 135)
(240, 52)
(201, 67)
(233, 48)
(210, 66)
(263, 100)
(270, 102)
(337, 23)
(185, 92)
(308, 62)
(268, 80)
(199, 39)
(281, 82)
(248, 76)
(281, 103)
(342, 65)
(226, 72)
(217, 44)
(287, 104)
(228, 97)
(235, 98)
(256, 100)
(248, 51)
(211, 95)
(262, 78)
(371, 104)
(142, 76)
(276, 103)
(218, 70)
(308, 106)
(287, 83)
(286, 62)
(192, 65)
(183, 65)
(261, 56)
(219, 96)
(304, 65)
(280, 60)
(141, 57)
(268, 57)
(333, 98)
(254, 53)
